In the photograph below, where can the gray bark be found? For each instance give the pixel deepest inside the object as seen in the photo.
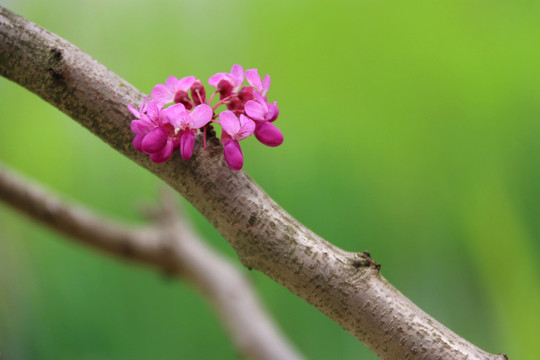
(345, 286)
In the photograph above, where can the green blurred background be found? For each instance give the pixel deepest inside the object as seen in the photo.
(411, 129)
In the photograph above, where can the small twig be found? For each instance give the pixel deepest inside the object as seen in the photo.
(171, 245)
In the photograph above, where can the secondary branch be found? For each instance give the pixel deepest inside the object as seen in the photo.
(170, 245)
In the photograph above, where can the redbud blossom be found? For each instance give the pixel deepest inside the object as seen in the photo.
(161, 128)
(264, 113)
(234, 130)
(227, 83)
(260, 110)
(186, 123)
(253, 78)
(147, 120)
(174, 90)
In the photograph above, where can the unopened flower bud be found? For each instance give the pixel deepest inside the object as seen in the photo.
(245, 94)
(224, 88)
(235, 104)
(181, 97)
(198, 93)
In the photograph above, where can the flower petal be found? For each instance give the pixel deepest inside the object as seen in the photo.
(172, 83)
(268, 134)
(137, 142)
(142, 108)
(185, 83)
(215, 79)
(265, 85)
(187, 143)
(162, 95)
(253, 78)
(237, 71)
(233, 154)
(247, 126)
(229, 122)
(201, 115)
(154, 141)
(273, 110)
(256, 110)
(172, 115)
(164, 154)
(258, 97)
(141, 127)
(152, 111)
(134, 111)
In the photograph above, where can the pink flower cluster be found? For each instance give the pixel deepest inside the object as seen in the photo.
(178, 108)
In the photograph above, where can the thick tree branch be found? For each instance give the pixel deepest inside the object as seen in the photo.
(345, 286)
(170, 245)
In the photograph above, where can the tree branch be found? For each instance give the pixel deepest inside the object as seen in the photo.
(170, 245)
(345, 286)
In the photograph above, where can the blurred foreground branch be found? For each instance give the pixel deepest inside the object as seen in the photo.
(169, 244)
(345, 286)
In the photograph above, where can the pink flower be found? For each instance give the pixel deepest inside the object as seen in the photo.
(174, 90)
(227, 83)
(160, 130)
(159, 144)
(234, 130)
(260, 110)
(253, 78)
(147, 119)
(264, 113)
(152, 136)
(186, 123)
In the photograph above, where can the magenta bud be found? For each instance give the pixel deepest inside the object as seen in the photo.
(235, 104)
(224, 88)
(154, 141)
(181, 97)
(268, 134)
(245, 94)
(233, 154)
(198, 93)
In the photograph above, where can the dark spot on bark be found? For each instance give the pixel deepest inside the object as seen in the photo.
(364, 259)
(371, 262)
(505, 356)
(55, 73)
(56, 64)
(57, 54)
(252, 219)
(210, 132)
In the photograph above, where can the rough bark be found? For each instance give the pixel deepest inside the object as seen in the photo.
(345, 286)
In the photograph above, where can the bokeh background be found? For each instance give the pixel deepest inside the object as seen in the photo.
(411, 129)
